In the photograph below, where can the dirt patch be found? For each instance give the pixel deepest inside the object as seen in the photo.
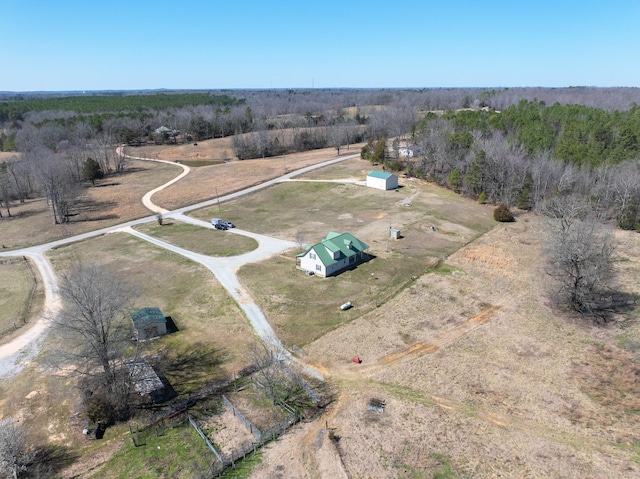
(227, 432)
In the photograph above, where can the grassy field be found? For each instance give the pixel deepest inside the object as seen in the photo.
(175, 452)
(311, 209)
(115, 199)
(207, 318)
(201, 240)
(482, 376)
(301, 308)
(21, 295)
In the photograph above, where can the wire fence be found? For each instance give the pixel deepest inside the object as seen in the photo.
(178, 415)
(248, 424)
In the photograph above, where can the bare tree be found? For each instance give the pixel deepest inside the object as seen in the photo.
(15, 455)
(93, 322)
(269, 376)
(580, 257)
(6, 192)
(21, 173)
(300, 239)
(337, 136)
(56, 182)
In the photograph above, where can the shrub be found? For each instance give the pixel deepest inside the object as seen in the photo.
(627, 219)
(503, 214)
(482, 199)
(100, 410)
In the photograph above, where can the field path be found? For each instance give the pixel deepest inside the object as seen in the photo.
(146, 199)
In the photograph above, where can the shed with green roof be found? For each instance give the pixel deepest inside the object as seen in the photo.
(149, 323)
(382, 180)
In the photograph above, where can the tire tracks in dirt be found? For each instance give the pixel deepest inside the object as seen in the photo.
(435, 343)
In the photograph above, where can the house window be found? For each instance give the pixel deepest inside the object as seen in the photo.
(312, 255)
(352, 259)
(318, 267)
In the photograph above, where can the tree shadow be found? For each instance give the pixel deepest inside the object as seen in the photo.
(103, 185)
(49, 460)
(190, 366)
(614, 303)
(88, 210)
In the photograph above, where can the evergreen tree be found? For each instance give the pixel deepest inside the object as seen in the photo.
(91, 171)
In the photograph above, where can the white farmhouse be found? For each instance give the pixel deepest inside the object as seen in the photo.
(333, 254)
(382, 180)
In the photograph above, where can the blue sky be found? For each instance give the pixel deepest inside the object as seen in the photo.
(212, 44)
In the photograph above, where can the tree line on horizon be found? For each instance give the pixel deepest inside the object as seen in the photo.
(511, 146)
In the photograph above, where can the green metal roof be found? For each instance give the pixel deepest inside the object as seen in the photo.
(380, 174)
(345, 244)
(146, 316)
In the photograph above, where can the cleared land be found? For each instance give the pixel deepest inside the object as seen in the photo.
(480, 375)
(117, 198)
(303, 308)
(200, 307)
(210, 181)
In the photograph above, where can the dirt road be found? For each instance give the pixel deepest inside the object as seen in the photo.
(15, 354)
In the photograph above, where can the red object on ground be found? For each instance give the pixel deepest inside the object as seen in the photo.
(357, 360)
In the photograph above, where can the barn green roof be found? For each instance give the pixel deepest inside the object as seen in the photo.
(146, 316)
(380, 174)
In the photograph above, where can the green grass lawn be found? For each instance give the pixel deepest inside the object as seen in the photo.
(201, 240)
(178, 452)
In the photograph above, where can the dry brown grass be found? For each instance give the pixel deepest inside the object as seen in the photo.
(114, 200)
(526, 393)
(21, 296)
(208, 182)
(483, 372)
(16, 284)
(200, 307)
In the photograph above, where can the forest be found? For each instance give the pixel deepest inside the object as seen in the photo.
(517, 146)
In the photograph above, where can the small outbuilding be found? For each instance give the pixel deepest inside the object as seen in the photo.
(382, 180)
(147, 383)
(149, 323)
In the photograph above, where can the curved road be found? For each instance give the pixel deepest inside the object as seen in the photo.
(23, 348)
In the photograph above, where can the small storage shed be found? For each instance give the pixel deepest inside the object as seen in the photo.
(382, 180)
(146, 381)
(394, 233)
(149, 323)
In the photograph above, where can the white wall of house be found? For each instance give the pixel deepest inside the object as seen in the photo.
(311, 262)
(406, 152)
